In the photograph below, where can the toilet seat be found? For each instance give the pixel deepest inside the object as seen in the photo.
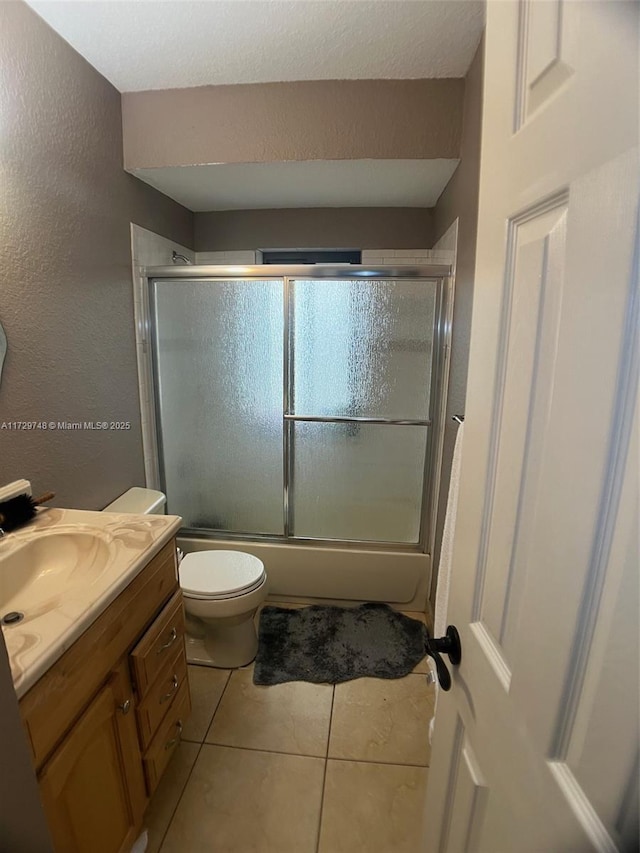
(216, 575)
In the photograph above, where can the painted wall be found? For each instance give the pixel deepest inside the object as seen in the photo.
(331, 228)
(460, 201)
(66, 295)
(310, 120)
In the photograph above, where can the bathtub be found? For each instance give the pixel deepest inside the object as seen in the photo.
(355, 574)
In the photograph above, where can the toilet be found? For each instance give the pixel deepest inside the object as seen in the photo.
(221, 590)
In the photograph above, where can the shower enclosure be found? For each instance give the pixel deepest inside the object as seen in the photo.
(301, 406)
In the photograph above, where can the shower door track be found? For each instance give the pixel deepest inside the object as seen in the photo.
(441, 274)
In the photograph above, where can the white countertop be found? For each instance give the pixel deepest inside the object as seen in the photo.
(49, 629)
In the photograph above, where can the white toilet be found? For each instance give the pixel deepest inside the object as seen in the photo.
(222, 591)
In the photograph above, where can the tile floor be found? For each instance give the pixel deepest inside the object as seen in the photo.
(297, 768)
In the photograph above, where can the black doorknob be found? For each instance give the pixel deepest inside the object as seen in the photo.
(448, 645)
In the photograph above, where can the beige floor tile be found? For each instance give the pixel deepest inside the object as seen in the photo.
(168, 793)
(249, 667)
(291, 717)
(423, 666)
(243, 801)
(372, 808)
(207, 686)
(376, 719)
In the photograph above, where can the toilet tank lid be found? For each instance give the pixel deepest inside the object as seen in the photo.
(214, 572)
(138, 500)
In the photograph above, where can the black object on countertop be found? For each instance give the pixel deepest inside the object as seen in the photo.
(20, 510)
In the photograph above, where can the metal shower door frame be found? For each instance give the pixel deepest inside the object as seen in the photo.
(439, 274)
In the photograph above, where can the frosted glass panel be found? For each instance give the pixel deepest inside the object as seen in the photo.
(362, 348)
(358, 481)
(218, 350)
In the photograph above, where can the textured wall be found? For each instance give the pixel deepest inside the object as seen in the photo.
(317, 120)
(460, 200)
(66, 295)
(306, 228)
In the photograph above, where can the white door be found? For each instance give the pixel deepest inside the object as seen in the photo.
(536, 745)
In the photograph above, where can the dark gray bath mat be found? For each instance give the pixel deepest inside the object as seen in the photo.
(323, 643)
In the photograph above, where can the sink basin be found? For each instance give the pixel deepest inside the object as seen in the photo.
(36, 576)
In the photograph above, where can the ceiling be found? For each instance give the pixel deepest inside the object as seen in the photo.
(164, 44)
(310, 183)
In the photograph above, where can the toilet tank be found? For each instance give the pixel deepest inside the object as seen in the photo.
(143, 501)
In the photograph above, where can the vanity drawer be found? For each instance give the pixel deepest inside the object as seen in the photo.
(160, 696)
(158, 645)
(167, 738)
(52, 705)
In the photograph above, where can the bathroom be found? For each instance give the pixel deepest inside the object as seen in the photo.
(114, 234)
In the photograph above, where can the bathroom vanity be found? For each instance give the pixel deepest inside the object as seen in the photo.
(103, 697)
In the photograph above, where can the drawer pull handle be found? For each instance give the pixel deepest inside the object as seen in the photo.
(125, 706)
(173, 636)
(174, 687)
(174, 740)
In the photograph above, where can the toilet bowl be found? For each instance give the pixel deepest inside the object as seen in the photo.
(221, 590)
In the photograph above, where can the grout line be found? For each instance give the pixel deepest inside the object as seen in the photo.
(215, 710)
(261, 749)
(326, 759)
(379, 762)
(218, 703)
(333, 699)
(324, 775)
(179, 800)
(307, 755)
(199, 744)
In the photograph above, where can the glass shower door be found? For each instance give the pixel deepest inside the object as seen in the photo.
(359, 402)
(218, 353)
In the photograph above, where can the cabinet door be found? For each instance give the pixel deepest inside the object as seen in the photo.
(92, 788)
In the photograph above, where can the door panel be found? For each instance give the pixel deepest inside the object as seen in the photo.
(606, 768)
(92, 802)
(531, 309)
(578, 485)
(469, 803)
(360, 348)
(234, 372)
(218, 352)
(546, 555)
(547, 32)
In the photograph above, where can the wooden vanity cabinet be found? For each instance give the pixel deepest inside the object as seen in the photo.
(93, 789)
(102, 723)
